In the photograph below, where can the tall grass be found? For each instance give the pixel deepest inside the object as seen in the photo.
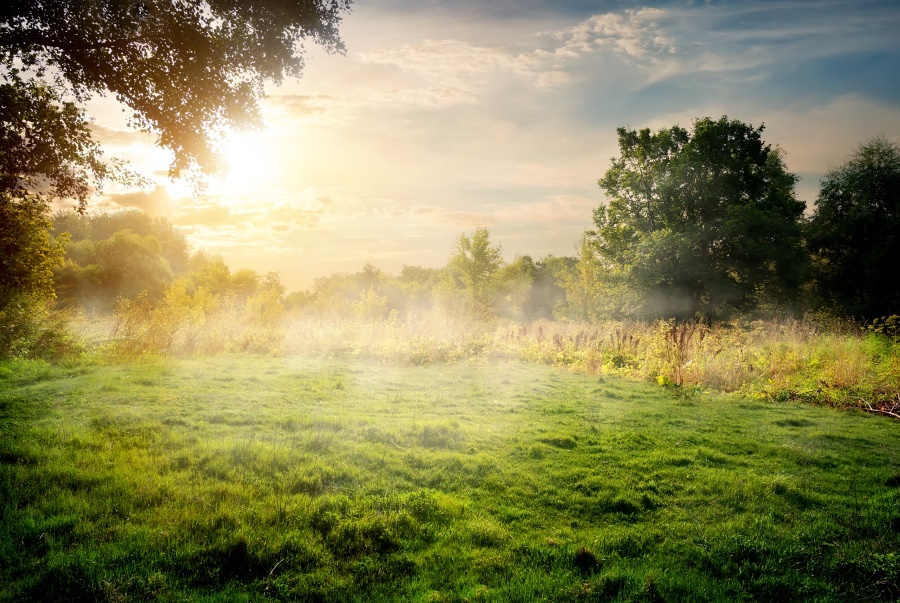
(823, 361)
(838, 365)
(777, 360)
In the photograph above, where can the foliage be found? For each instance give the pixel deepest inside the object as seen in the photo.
(96, 273)
(45, 140)
(531, 288)
(773, 360)
(28, 251)
(121, 254)
(242, 478)
(370, 306)
(474, 268)
(699, 223)
(889, 326)
(28, 255)
(96, 226)
(191, 319)
(854, 232)
(587, 285)
(186, 70)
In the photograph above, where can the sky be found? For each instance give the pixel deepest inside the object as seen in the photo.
(445, 116)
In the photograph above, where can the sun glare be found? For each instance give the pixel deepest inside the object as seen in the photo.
(250, 162)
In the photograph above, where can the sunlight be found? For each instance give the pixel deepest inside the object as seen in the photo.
(250, 162)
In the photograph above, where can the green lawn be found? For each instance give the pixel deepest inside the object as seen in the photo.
(245, 478)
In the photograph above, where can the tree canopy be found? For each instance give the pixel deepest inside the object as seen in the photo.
(854, 233)
(187, 70)
(701, 222)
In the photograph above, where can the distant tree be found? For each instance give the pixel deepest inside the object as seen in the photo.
(700, 223)
(211, 273)
(98, 226)
(548, 295)
(475, 265)
(271, 281)
(513, 286)
(532, 288)
(582, 280)
(296, 301)
(126, 264)
(854, 233)
(370, 277)
(118, 254)
(244, 283)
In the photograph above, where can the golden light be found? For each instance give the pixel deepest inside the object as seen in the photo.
(251, 162)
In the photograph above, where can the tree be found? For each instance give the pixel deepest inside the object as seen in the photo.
(98, 226)
(854, 233)
(125, 265)
(581, 281)
(28, 255)
(187, 70)
(474, 265)
(700, 223)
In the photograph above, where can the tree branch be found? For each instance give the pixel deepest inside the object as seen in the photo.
(891, 412)
(38, 38)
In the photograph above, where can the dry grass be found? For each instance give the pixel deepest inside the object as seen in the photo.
(825, 362)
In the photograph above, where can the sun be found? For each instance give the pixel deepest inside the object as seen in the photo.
(250, 162)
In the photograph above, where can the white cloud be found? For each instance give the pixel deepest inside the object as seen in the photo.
(455, 72)
(635, 33)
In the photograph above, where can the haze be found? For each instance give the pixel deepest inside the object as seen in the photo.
(443, 117)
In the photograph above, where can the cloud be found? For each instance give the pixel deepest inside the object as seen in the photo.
(456, 72)
(120, 138)
(204, 215)
(321, 109)
(554, 208)
(634, 33)
(157, 202)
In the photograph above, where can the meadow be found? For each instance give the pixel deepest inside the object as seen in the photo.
(345, 477)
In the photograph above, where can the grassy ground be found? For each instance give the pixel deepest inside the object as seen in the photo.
(821, 360)
(245, 478)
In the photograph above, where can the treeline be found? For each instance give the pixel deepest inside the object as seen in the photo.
(705, 224)
(699, 224)
(114, 259)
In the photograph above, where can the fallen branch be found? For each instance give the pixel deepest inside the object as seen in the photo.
(891, 412)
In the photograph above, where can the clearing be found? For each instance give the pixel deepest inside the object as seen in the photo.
(247, 478)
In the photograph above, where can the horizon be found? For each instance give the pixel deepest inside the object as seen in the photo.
(442, 119)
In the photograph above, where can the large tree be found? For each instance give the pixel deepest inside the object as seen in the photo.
(188, 71)
(854, 233)
(699, 223)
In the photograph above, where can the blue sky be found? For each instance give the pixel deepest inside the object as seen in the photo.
(448, 115)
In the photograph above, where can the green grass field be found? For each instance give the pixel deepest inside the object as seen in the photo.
(246, 478)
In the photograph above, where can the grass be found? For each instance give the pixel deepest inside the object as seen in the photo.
(250, 478)
(819, 360)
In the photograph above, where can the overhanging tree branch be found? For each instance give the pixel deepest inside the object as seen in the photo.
(38, 38)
